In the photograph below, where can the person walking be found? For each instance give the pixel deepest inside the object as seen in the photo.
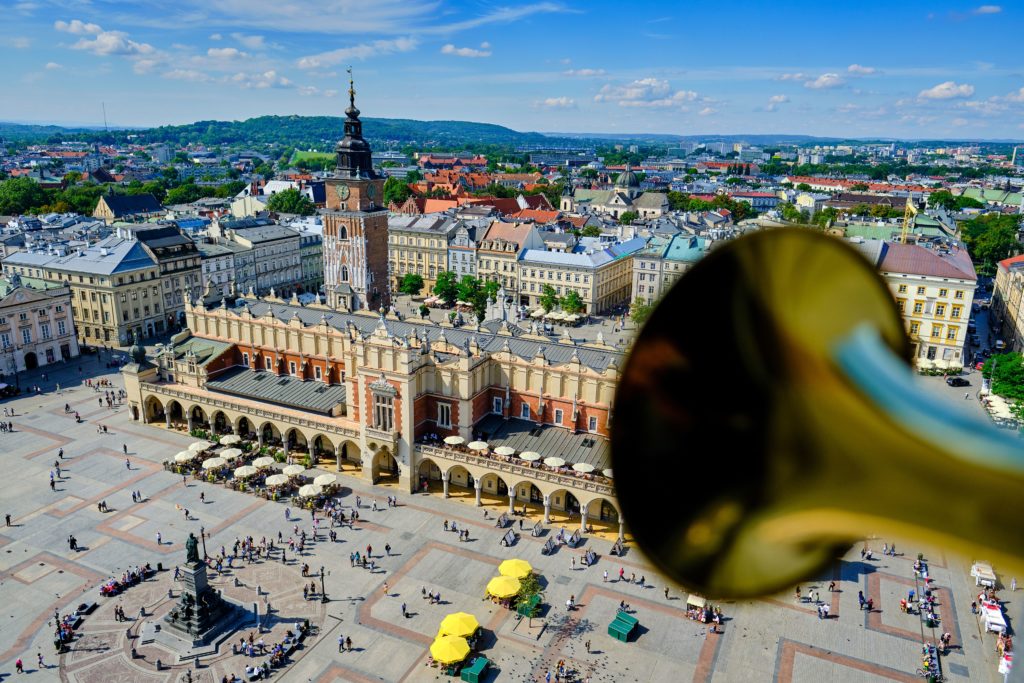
(348, 643)
(124, 447)
(127, 464)
(341, 643)
(42, 664)
(19, 666)
(159, 539)
(7, 520)
(606, 576)
(588, 646)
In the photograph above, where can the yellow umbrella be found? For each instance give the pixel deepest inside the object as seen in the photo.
(449, 649)
(516, 568)
(458, 624)
(503, 586)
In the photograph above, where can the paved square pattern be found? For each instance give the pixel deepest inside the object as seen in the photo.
(777, 639)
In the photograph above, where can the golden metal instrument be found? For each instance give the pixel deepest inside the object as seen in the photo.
(767, 419)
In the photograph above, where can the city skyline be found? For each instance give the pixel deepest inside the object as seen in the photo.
(933, 70)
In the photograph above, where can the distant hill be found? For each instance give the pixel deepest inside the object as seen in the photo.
(299, 131)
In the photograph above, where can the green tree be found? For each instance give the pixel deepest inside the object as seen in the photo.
(858, 187)
(640, 310)
(72, 177)
(186, 193)
(446, 286)
(803, 187)
(413, 176)
(991, 238)
(264, 170)
(627, 217)
(21, 195)
(291, 201)
(467, 288)
(1006, 370)
(572, 302)
(395, 190)
(412, 283)
(792, 214)
(548, 298)
(169, 173)
(591, 231)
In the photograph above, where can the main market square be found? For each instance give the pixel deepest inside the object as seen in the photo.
(431, 514)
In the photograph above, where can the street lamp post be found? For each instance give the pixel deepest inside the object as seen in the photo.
(323, 592)
(202, 535)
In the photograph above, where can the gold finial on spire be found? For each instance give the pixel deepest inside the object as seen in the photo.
(351, 88)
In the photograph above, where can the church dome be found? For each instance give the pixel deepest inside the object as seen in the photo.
(627, 179)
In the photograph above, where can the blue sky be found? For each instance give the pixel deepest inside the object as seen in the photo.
(905, 69)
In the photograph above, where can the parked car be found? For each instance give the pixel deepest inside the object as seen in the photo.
(957, 382)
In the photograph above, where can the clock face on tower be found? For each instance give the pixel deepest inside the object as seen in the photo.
(342, 191)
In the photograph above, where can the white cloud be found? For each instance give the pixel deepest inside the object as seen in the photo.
(646, 92)
(361, 52)
(267, 79)
(825, 81)
(249, 41)
(988, 9)
(584, 73)
(794, 77)
(774, 101)
(991, 107)
(216, 36)
(225, 53)
(847, 108)
(558, 103)
(859, 70)
(53, 66)
(946, 91)
(1016, 96)
(450, 49)
(707, 111)
(20, 43)
(960, 122)
(78, 28)
(186, 75)
(105, 43)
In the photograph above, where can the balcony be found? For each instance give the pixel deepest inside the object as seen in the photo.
(593, 483)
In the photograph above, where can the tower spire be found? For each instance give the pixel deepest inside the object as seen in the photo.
(351, 89)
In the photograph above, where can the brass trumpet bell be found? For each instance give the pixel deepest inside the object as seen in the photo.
(767, 419)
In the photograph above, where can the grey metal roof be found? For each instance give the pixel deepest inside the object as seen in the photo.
(282, 390)
(547, 440)
(205, 349)
(111, 255)
(556, 353)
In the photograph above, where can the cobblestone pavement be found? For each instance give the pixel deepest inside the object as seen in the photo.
(772, 639)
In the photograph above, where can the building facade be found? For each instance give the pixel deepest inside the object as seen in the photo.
(373, 396)
(499, 249)
(36, 328)
(1008, 302)
(662, 261)
(419, 244)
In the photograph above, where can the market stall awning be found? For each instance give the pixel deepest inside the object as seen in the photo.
(503, 586)
(459, 624)
(515, 568)
(449, 649)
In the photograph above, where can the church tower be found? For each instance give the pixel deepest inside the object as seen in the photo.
(355, 243)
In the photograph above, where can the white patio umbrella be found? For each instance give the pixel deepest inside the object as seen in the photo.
(245, 471)
(454, 440)
(554, 462)
(230, 453)
(608, 473)
(505, 450)
(214, 463)
(230, 440)
(583, 467)
(310, 490)
(293, 470)
(539, 313)
(277, 480)
(529, 456)
(184, 456)
(326, 479)
(200, 446)
(265, 461)
(478, 445)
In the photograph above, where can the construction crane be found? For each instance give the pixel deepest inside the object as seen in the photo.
(908, 215)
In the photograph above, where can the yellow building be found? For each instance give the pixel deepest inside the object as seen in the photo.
(1007, 299)
(419, 244)
(934, 290)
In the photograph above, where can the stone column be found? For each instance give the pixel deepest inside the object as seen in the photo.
(583, 520)
(479, 486)
(622, 529)
(259, 439)
(167, 419)
(547, 509)
(511, 501)
(337, 457)
(190, 423)
(445, 476)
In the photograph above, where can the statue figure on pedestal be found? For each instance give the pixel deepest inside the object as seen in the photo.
(191, 549)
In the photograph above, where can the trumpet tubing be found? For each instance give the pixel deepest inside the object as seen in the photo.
(767, 419)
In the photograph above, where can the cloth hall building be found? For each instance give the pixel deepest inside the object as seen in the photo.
(375, 397)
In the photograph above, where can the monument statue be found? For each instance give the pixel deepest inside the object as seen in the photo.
(191, 549)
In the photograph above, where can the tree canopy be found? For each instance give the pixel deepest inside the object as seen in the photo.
(548, 298)
(396, 190)
(1006, 370)
(991, 238)
(412, 283)
(447, 286)
(291, 201)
